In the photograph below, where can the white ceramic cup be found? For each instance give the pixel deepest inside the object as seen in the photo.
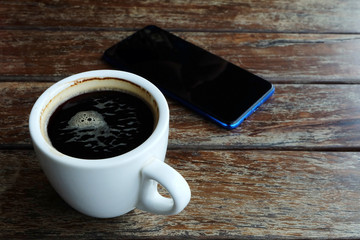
(113, 186)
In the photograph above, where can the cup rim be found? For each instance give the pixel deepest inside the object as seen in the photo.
(44, 146)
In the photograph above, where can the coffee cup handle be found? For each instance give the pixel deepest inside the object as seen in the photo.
(150, 199)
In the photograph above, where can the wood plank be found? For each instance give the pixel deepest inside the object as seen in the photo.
(296, 117)
(290, 58)
(233, 15)
(262, 194)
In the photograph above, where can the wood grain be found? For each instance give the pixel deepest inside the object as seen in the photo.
(296, 117)
(232, 15)
(280, 58)
(234, 194)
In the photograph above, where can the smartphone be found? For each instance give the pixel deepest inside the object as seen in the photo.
(202, 81)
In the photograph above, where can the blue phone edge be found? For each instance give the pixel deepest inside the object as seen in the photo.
(253, 108)
(233, 125)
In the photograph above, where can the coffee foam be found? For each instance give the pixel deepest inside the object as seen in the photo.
(86, 119)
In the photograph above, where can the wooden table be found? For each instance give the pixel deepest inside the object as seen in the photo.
(291, 170)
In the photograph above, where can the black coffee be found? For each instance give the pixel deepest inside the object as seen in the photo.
(100, 124)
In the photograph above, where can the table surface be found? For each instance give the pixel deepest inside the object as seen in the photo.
(291, 170)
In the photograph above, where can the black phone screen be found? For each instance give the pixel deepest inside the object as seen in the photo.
(201, 80)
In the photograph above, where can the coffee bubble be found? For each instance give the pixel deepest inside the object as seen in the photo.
(86, 119)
